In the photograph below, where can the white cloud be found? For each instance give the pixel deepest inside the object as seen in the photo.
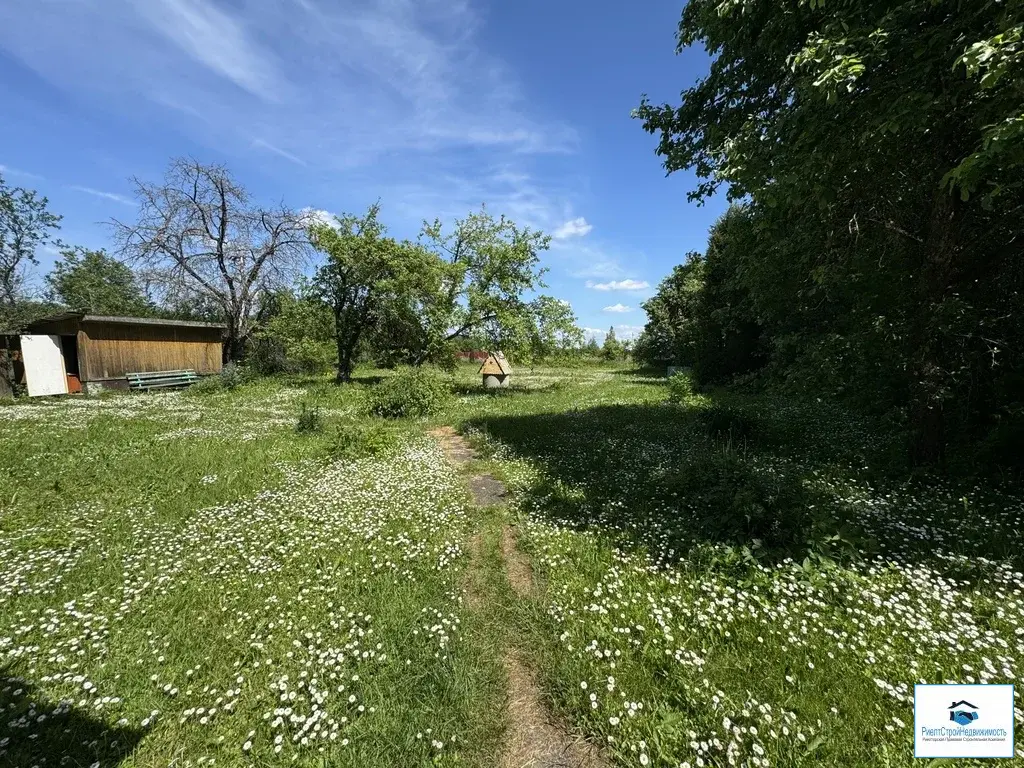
(319, 216)
(577, 227)
(618, 308)
(619, 285)
(104, 195)
(628, 332)
(217, 41)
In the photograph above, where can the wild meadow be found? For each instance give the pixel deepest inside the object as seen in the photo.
(272, 574)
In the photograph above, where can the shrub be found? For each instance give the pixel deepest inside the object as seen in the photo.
(769, 509)
(357, 440)
(267, 356)
(411, 392)
(310, 420)
(233, 375)
(206, 385)
(680, 388)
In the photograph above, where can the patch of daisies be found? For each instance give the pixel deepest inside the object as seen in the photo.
(673, 660)
(251, 629)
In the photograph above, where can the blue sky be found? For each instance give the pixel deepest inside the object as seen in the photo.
(433, 106)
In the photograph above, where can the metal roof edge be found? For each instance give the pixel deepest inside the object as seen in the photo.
(151, 321)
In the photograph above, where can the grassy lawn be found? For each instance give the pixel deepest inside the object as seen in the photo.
(189, 581)
(683, 623)
(726, 580)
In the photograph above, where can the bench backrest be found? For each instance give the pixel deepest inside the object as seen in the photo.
(161, 379)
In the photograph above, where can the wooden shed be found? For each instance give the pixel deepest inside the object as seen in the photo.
(75, 352)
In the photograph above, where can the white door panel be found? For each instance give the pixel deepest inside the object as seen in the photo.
(44, 365)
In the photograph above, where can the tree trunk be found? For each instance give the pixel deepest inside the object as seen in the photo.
(234, 345)
(347, 343)
(344, 362)
(937, 274)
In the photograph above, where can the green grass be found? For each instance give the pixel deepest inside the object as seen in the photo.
(723, 562)
(739, 580)
(181, 554)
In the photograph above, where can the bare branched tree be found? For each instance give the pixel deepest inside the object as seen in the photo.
(198, 234)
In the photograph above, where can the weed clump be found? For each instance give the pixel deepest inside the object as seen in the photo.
(230, 377)
(723, 421)
(310, 420)
(358, 440)
(768, 508)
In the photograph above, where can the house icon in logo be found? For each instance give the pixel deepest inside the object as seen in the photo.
(963, 712)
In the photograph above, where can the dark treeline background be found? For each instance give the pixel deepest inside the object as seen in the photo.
(874, 252)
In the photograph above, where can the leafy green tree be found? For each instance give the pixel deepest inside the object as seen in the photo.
(488, 265)
(729, 339)
(26, 225)
(670, 334)
(90, 281)
(879, 146)
(612, 348)
(554, 328)
(592, 348)
(367, 277)
(296, 334)
(546, 326)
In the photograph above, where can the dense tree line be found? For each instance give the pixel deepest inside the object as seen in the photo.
(874, 151)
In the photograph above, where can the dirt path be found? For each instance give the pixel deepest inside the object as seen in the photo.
(535, 739)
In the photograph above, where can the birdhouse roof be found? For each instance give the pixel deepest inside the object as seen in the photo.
(495, 365)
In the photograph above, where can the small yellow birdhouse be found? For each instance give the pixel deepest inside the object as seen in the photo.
(495, 371)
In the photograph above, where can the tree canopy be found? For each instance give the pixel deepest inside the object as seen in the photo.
(877, 150)
(26, 224)
(488, 266)
(201, 238)
(96, 283)
(367, 278)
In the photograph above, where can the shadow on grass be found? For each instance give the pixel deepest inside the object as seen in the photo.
(40, 732)
(462, 389)
(755, 479)
(646, 373)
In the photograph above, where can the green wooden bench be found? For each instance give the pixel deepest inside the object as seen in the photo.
(161, 379)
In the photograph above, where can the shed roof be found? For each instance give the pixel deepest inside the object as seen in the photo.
(496, 365)
(84, 318)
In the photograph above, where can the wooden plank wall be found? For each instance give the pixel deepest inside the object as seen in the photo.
(110, 350)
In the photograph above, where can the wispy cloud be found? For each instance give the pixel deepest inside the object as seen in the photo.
(573, 228)
(217, 41)
(593, 259)
(336, 83)
(619, 285)
(618, 308)
(105, 195)
(7, 170)
(261, 144)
